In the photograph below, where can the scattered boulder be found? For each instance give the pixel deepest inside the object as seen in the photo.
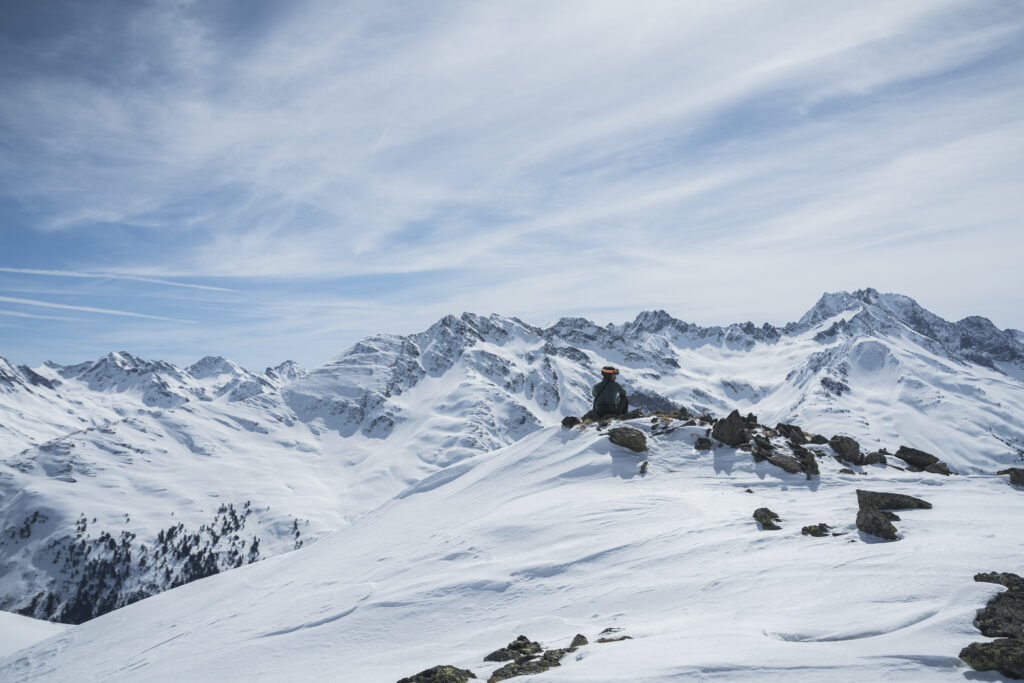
(702, 444)
(731, 430)
(916, 458)
(890, 501)
(872, 521)
(821, 529)
(440, 674)
(643, 467)
(847, 449)
(613, 639)
(846, 470)
(876, 458)
(1016, 475)
(518, 648)
(938, 468)
(807, 461)
(766, 518)
(786, 462)
(1005, 655)
(792, 432)
(1002, 618)
(819, 440)
(517, 669)
(570, 422)
(628, 437)
(579, 641)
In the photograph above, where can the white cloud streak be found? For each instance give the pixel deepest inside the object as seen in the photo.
(88, 309)
(111, 276)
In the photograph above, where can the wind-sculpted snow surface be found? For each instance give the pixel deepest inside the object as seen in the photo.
(560, 534)
(161, 445)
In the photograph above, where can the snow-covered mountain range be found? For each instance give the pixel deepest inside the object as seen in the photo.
(123, 477)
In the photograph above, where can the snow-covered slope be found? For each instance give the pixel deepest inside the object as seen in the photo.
(560, 534)
(138, 451)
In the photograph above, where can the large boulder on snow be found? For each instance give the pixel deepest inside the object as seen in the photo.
(792, 432)
(874, 522)
(848, 449)
(440, 674)
(628, 437)
(889, 501)
(1016, 475)
(766, 518)
(916, 458)
(732, 430)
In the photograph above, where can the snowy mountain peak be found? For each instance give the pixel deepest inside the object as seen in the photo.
(213, 366)
(286, 371)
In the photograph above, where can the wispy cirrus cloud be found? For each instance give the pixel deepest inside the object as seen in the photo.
(536, 159)
(88, 309)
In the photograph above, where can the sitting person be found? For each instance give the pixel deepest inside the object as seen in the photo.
(609, 396)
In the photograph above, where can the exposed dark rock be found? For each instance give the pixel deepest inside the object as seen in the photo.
(1005, 655)
(515, 669)
(628, 437)
(750, 420)
(614, 639)
(938, 468)
(916, 458)
(890, 501)
(807, 461)
(554, 657)
(820, 529)
(792, 432)
(876, 458)
(891, 516)
(766, 518)
(579, 641)
(846, 470)
(643, 467)
(763, 444)
(847, 448)
(872, 521)
(786, 462)
(500, 655)
(702, 444)
(732, 430)
(440, 674)
(1001, 618)
(570, 422)
(1011, 581)
(819, 440)
(1016, 475)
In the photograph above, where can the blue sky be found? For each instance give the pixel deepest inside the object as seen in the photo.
(267, 180)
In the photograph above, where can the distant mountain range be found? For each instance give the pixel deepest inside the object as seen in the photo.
(122, 477)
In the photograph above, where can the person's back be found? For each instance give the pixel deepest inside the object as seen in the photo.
(609, 396)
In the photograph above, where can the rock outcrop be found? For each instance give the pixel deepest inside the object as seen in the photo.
(766, 518)
(1016, 475)
(440, 674)
(628, 437)
(848, 449)
(732, 430)
(874, 517)
(1002, 618)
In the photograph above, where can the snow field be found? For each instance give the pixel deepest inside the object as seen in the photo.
(558, 534)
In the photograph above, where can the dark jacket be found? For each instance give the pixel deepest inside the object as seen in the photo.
(606, 396)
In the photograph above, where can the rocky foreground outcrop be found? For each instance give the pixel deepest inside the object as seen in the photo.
(1003, 619)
